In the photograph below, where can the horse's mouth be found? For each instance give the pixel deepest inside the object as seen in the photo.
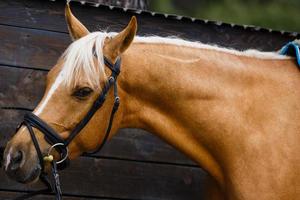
(33, 176)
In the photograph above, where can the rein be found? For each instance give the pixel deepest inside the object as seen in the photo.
(60, 145)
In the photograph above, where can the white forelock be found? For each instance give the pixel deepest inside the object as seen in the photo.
(79, 59)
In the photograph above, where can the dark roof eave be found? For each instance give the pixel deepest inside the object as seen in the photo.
(178, 17)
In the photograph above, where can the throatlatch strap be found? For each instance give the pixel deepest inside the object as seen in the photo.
(97, 104)
(99, 101)
(113, 112)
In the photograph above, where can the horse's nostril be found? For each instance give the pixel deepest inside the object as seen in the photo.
(18, 157)
(16, 160)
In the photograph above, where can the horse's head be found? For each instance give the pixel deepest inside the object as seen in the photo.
(73, 85)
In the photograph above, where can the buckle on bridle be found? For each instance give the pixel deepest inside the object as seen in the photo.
(49, 157)
(111, 79)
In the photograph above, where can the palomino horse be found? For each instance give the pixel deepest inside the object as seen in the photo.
(235, 113)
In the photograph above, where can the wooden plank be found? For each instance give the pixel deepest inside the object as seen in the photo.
(49, 16)
(31, 48)
(123, 179)
(5, 195)
(21, 87)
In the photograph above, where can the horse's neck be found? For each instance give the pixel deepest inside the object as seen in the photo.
(191, 98)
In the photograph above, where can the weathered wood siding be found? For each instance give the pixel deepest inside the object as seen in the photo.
(134, 164)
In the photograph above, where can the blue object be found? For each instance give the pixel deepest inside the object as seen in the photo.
(291, 49)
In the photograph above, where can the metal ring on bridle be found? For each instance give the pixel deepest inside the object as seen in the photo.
(111, 79)
(59, 144)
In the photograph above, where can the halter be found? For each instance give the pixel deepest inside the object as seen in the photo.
(61, 145)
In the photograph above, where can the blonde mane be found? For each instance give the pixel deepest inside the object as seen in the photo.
(79, 58)
(84, 58)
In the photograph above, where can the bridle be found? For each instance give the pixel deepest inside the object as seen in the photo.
(61, 145)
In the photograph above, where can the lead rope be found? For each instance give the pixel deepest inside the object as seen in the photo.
(56, 188)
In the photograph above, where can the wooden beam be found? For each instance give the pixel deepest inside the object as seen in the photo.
(12, 194)
(123, 179)
(31, 48)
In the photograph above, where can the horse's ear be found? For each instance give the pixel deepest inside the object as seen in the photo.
(76, 28)
(119, 43)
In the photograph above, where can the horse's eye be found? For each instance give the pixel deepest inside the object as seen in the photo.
(81, 93)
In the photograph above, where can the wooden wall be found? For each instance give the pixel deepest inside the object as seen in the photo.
(134, 164)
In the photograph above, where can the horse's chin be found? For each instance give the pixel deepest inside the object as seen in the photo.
(27, 177)
(33, 176)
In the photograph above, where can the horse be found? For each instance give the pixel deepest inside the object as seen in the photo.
(235, 113)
